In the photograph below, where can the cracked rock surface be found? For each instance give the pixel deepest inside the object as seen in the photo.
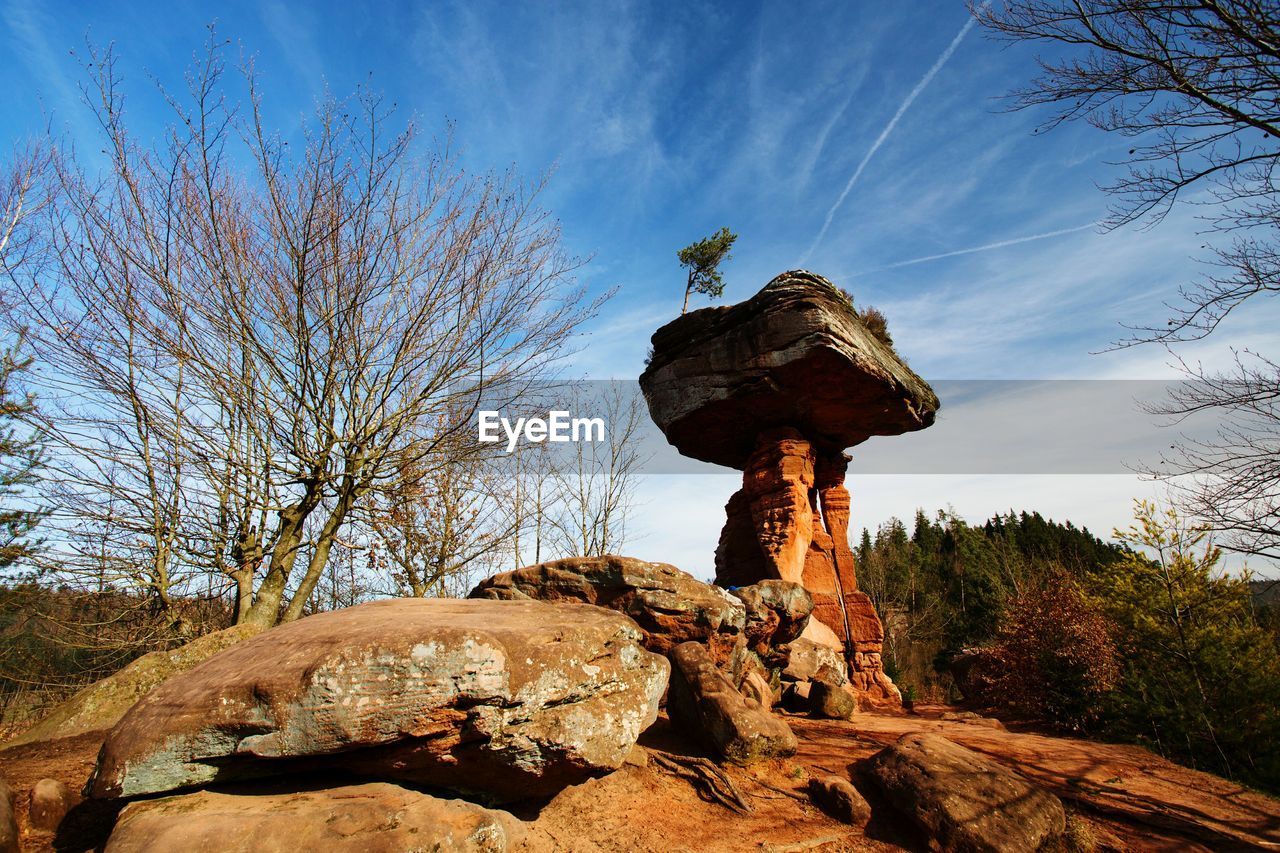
(502, 699)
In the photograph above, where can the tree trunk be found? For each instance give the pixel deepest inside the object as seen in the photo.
(324, 542)
(265, 610)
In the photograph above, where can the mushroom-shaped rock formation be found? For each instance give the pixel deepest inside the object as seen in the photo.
(777, 387)
(794, 355)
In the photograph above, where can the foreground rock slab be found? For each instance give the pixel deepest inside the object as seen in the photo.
(371, 818)
(964, 801)
(669, 605)
(704, 701)
(506, 699)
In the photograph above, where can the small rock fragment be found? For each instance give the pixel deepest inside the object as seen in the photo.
(838, 798)
(973, 719)
(50, 802)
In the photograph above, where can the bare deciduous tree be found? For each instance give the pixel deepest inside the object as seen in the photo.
(436, 527)
(248, 340)
(1196, 86)
(1230, 481)
(23, 196)
(595, 481)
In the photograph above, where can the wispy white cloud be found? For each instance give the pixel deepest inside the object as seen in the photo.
(999, 244)
(294, 31)
(884, 134)
(28, 25)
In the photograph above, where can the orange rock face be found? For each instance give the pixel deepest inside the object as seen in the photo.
(778, 386)
(790, 520)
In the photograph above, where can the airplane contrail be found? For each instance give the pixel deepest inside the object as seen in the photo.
(999, 244)
(888, 128)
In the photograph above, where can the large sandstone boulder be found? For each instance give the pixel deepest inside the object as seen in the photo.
(805, 659)
(101, 705)
(370, 818)
(964, 801)
(704, 701)
(507, 699)
(794, 355)
(831, 697)
(670, 606)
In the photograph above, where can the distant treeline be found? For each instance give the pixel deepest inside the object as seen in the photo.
(943, 585)
(1142, 639)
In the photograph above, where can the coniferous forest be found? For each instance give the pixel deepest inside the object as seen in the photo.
(1142, 639)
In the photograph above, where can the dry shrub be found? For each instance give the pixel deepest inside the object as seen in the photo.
(877, 324)
(1054, 657)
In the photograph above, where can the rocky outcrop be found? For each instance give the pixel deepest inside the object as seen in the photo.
(49, 803)
(506, 699)
(670, 606)
(370, 818)
(795, 355)
(702, 700)
(101, 705)
(964, 801)
(790, 520)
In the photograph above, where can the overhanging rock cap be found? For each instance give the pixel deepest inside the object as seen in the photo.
(794, 355)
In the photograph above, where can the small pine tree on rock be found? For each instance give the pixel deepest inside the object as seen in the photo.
(703, 260)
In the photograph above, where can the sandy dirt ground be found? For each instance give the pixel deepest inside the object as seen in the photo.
(1125, 797)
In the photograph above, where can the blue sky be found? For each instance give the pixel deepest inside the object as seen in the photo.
(663, 122)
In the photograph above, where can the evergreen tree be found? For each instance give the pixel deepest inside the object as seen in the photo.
(1200, 677)
(703, 260)
(21, 456)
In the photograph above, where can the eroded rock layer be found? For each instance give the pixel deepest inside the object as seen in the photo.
(790, 520)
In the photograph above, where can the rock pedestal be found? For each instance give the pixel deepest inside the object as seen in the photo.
(778, 386)
(790, 520)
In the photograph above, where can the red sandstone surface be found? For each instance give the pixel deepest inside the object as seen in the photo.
(1128, 798)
